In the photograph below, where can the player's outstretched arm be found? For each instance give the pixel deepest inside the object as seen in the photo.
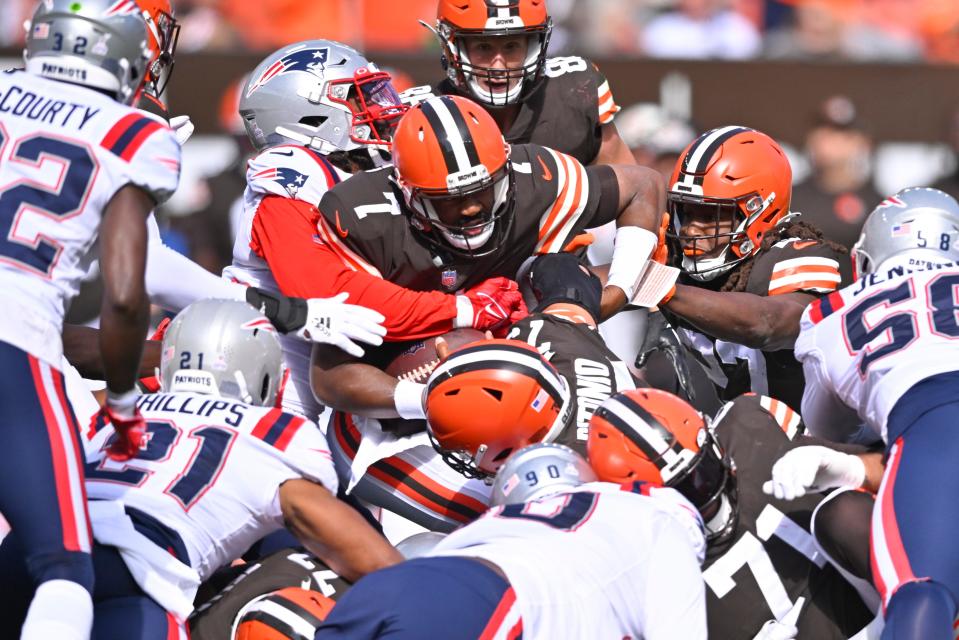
(641, 201)
(124, 313)
(333, 531)
(767, 323)
(81, 346)
(345, 384)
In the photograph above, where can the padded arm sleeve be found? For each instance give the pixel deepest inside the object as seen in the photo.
(283, 235)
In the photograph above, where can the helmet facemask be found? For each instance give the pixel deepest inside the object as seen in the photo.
(518, 81)
(473, 236)
(165, 32)
(706, 480)
(731, 241)
(374, 105)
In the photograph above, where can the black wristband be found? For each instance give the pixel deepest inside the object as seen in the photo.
(287, 314)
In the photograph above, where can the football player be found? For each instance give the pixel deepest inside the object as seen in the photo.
(570, 559)
(237, 601)
(566, 299)
(460, 205)
(81, 169)
(749, 268)
(495, 53)
(880, 355)
(762, 568)
(187, 503)
(565, 304)
(317, 111)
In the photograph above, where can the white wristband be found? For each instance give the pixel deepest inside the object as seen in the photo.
(408, 399)
(123, 404)
(631, 248)
(464, 313)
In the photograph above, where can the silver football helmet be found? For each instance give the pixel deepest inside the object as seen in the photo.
(320, 94)
(537, 471)
(918, 223)
(225, 348)
(101, 44)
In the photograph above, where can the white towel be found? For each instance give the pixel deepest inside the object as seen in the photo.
(164, 578)
(376, 444)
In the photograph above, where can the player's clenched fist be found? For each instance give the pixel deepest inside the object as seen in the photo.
(493, 304)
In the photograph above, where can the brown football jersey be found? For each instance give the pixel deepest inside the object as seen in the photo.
(564, 112)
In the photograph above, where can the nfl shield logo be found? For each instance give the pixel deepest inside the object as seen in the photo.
(448, 278)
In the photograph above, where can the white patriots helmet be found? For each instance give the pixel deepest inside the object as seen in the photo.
(917, 225)
(225, 348)
(101, 44)
(537, 471)
(320, 94)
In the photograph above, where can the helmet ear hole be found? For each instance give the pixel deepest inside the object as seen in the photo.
(313, 121)
(496, 393)
(264, 387)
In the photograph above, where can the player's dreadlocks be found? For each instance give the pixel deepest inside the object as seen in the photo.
(792, 229)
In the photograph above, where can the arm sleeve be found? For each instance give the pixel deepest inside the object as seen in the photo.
(304, 266)
(824, 414)
(173, 281)
(606, 105)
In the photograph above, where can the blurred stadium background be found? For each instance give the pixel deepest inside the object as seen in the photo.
(864, 94)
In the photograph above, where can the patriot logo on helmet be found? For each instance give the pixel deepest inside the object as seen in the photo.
(308, 60)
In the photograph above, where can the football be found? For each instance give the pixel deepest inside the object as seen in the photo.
(418, 361)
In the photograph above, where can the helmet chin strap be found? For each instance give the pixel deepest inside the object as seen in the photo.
(719, 521)
(709, 268)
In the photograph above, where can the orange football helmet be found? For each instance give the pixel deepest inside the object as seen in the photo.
(735, 182)
(268, 618)
(491, 398)
(655, 436)
(449, 154)
(164, 32)
(459, 20)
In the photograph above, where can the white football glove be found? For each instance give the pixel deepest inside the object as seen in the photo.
(182, 128)
(813, 469)
(331, 321)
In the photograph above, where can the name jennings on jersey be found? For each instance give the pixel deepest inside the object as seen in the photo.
(913, 266)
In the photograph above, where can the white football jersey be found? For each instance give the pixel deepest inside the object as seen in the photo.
(864, 346)
(600, 561)
(64, 152)
(298, 173)
(211, 471)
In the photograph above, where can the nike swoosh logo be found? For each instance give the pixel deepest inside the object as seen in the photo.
(547, 174)
(282, 153)
(340, 230)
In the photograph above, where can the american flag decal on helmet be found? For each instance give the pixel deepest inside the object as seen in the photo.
(122, 7)
(258, 323)
(309, 60)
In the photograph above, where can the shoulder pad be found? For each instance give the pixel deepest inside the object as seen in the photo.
(751, 412)
(586, 72)
(146, 144)
(291, 171)
(796, 265)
